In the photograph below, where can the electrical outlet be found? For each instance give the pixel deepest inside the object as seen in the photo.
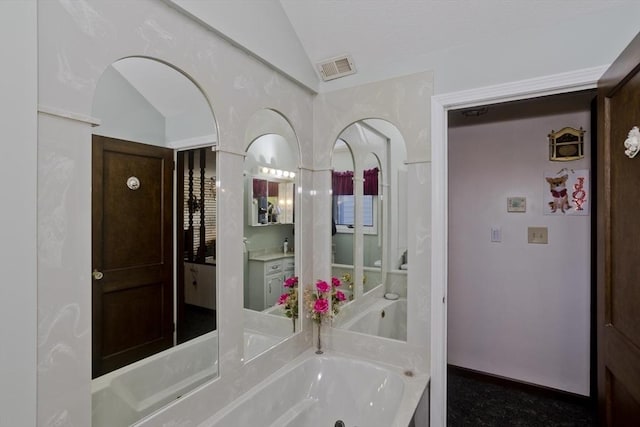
(538, 235)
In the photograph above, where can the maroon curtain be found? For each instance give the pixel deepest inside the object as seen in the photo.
(273, 189)
(259, 187)
(342, 183)
(370, 186)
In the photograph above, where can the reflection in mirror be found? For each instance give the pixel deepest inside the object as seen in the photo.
(343, 216)
(270, 281)
(379, 307)
(372, 218)
(149, 348)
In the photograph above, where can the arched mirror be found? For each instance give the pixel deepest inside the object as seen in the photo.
(343, 216)
(380, 239)
(270, 209)
(373, 225)
(153, 240)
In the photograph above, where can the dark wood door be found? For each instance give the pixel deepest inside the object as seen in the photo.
(132, 249)
(619, 243)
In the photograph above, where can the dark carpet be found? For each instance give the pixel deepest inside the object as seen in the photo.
(474, 401)
(197, 321)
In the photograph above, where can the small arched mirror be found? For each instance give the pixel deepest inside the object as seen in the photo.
(380, 238)
(373, 225)
(270, 208)
(153, 289)
(343, 216)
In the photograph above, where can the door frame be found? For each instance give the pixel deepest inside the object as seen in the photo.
(440, 105)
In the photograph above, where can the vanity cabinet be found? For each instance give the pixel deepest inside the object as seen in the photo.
(267, 274)
(200, 285)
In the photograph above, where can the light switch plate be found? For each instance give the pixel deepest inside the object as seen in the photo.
(538, 235)
(496, 234)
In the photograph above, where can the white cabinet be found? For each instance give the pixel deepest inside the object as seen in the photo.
(200, 285)
(266, 279)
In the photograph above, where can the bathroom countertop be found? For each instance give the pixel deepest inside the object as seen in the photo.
(270, 256)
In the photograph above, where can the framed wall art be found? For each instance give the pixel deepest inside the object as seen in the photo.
(516, 204)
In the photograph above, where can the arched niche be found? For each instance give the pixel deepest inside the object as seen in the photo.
(154, 232)
(378, 202)
(271, 207)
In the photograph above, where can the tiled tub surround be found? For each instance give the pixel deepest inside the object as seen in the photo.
(318, 390)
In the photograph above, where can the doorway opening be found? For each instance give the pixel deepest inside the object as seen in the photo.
(196, 206)
(518, 312)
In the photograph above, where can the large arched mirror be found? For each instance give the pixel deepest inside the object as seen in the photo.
(153, 240)
(380, 238)
(270, 209)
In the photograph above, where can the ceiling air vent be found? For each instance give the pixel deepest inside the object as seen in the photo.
(333, 68)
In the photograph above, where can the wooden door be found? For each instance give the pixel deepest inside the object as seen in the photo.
(132, 252)
(619, 243)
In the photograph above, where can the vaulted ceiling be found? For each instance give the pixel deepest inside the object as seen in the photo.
(387, 38)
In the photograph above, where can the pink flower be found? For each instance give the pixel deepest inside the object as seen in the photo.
(335, 281)
(340, 296)
(283, 299)
(322, 286)
(321, 305)
(291, 282)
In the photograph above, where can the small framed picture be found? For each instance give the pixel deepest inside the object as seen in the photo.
(516, 204)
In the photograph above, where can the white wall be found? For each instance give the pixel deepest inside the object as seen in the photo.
(124, 113)
(18, 120)
(516, 310)
(261, 27)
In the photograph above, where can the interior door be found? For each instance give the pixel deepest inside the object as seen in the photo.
(618, 238)
(132, 252)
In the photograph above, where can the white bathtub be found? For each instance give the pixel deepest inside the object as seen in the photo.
(124, 396)
(383, 318)
(317, 391)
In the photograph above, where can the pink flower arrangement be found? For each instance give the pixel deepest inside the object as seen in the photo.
(291, 282)
(321, 306)
(317, 300)
(290, 298)
(322, 286)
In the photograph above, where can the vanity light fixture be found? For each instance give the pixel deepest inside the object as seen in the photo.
(279, 173)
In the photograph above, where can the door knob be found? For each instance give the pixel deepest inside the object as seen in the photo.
(97, 274)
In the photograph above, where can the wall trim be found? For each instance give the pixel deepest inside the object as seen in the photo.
(58, 112)
(418, 161)
(195, 142)
(440, 105)
(219, 149)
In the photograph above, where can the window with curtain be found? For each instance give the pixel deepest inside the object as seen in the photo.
(344, 200)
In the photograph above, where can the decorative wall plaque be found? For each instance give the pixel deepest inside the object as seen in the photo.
(566, 144)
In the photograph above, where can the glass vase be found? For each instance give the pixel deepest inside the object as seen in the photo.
(319, 343)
